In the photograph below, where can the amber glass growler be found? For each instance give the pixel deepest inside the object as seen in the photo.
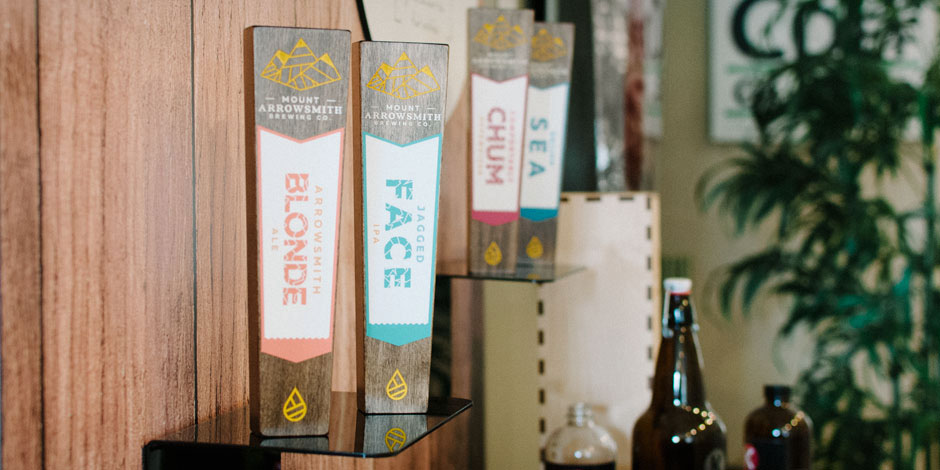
(679, 431)
(777, 436)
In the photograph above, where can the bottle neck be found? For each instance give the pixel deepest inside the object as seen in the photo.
(580, 415)
(678, 377)
(777, 395)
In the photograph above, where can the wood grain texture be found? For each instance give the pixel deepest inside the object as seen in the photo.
(381, 362)
(466, 310)
(120, 155)
(222, 325)
(499, 51)
(451, 444)
(537, 240)
(342, 14)
(117, 227)
(550, 66)
(483, 238)
(454, 215)
(440, 450)
(20, 250)
(219, 162)
(403, 116)
(278, 379)
(500, 42)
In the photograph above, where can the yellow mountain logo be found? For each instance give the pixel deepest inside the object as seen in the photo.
(301, 69)
(534, 248)
(396, 388)
(493, 254)
(546, 47)
(395, 438)
(500, 35)
(403, 80)
(295, 408)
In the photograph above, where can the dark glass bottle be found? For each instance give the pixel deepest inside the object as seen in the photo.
(776, 435)
(581, 444)
(679, 431)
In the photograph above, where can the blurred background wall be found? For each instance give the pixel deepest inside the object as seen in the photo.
(741, 353)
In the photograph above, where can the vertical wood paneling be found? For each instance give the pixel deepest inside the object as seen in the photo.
(466, 310)
(115, 116)
(221, 315)
(450, 447)
(142, 126)
(453, 231)
(20, 239)
(219, 162)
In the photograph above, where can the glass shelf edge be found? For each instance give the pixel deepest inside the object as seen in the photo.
(535, 276)
(168, 450)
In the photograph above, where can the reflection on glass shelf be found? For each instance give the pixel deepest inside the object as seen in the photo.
(537, 274)
(227, 442)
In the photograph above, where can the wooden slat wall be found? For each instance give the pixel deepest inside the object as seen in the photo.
(219, 147)
(115, 100)
(19, 238)
(221, 315)
(467, 361)
(454, 212)
(122, 277)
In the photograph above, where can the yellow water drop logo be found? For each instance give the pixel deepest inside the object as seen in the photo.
(493, 254)
(295, 408)
(534, 249)
(395, 439)
(396, 389)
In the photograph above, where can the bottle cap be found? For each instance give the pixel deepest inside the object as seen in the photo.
(580, 409)
(774, 393)
(678, 285)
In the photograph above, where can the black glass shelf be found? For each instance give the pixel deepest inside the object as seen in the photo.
(537, 274)
(227, 442)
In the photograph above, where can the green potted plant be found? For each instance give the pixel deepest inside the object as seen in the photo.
(858, 267)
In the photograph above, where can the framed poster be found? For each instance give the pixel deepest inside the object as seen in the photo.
(747, 38)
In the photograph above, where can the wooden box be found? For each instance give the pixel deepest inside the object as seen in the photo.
(589, 336)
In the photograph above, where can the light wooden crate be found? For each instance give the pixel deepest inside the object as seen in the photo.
(595, 331)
